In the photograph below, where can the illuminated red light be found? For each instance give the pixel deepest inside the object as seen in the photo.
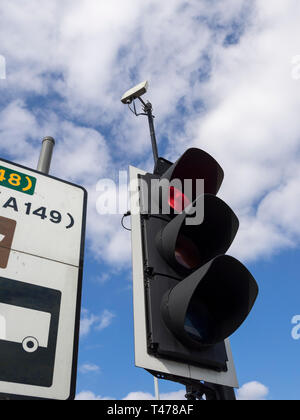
(177, 200)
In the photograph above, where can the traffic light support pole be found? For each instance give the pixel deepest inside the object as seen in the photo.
(196, 390)
(212, 392)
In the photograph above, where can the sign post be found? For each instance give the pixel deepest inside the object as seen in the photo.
(42, 231)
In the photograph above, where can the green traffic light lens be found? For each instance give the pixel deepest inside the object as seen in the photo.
(199, 323)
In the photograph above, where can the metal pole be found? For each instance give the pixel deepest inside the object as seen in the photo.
(148, 110)
(157, 396)
(152, 134)
(46, 155)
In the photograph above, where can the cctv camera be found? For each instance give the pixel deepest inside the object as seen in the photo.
(135, 93)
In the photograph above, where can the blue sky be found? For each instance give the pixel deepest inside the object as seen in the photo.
(224, 76)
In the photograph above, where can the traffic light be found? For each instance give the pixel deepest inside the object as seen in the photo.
(195, 295)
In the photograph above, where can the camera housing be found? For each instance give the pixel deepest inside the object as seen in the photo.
(135, 93)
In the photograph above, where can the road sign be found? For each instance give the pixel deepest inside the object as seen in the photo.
(156, 363)
(42, 229)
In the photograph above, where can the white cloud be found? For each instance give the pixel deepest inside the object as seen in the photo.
(2, 68)
(17, 126)
(238, 102)
(89, 368)
(139, 395)
(108, 240)
(102, 279)
(91, 322)
(81, 153)
(252, 391)
(86, 323)
(90, 396)
(105, 320)
(134, 396)
(249, 391)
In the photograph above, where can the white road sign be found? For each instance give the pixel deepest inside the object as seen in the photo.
(42, 226)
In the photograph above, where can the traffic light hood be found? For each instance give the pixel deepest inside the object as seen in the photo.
(188, 247)
(196, 164)
(211, 304)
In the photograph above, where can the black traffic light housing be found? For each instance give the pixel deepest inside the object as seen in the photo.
(196, 296)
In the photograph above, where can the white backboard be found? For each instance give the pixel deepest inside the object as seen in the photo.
(142, 358)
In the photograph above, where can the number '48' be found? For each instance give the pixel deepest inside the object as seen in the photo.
(14, 179)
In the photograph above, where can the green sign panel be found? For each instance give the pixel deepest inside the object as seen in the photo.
(17, 181)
